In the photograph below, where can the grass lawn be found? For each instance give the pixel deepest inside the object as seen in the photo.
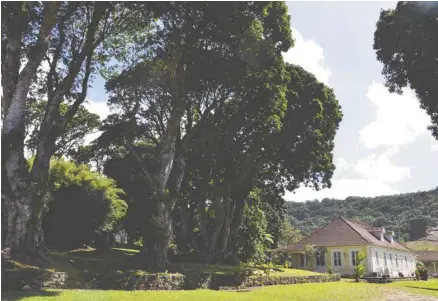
(339, 291)
(418, 287)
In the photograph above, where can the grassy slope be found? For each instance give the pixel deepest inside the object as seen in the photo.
(418, 287)
(340, 291)
(116, 258)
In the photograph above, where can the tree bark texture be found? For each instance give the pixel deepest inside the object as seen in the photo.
(166, 180)
(158, 231)
(24, 238)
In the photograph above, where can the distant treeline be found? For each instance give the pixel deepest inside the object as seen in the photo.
(408, 214)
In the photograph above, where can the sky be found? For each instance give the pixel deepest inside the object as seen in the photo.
(383, 146)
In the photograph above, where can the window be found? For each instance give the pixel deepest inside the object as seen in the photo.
(390, 259)
(320, 260)
(377, 258)
(337, 262)
(384, 258)
(396, 261)
(354, 255)
(301, 260)
(406, 261)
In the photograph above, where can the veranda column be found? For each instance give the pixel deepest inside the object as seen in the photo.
(305, 261)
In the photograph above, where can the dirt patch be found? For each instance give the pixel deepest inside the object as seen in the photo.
(396, 295)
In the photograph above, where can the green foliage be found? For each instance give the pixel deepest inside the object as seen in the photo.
(254, 123)
(406, 42)
(310, 251)
(394, 212)
(253, 239)
(289, 235)
(421, 272)
(359, 267)
(84, 204)
(72, 135)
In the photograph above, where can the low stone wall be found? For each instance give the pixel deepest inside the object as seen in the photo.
(125, 281)
(30, 278)
(192, 281)
(277, 280)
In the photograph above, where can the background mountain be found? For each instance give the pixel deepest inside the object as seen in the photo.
(409, 215)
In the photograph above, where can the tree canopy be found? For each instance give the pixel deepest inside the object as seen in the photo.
(406, 42)
(209, 125)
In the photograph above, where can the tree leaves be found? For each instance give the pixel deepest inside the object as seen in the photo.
(406, 42)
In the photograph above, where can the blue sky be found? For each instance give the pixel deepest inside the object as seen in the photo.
(383, 145)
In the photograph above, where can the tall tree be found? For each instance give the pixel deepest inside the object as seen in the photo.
(69, 37)
(406, 42)
(16, 200)
(263, 138)
(191, 40)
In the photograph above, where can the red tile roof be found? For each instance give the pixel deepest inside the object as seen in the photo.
(372, 239)
(343, 232)
(427, 256)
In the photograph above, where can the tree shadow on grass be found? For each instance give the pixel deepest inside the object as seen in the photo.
(21, 295)
(422, 288)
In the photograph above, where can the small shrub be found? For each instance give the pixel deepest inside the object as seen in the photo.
(359, 268)
(330, 270)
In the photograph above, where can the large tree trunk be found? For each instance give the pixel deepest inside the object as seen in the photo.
(215, 232)
(157, 232)
(24, 239)
(166, 180)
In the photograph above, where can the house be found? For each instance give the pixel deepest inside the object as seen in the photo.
(341, 240)
(430, 259)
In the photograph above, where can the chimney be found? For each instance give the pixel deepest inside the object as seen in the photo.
(382, 234)
(391, 236)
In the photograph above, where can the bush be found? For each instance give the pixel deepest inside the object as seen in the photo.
(84, 207)
(421, 272)
(359, 268)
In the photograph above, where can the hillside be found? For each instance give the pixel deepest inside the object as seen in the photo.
(408, 214)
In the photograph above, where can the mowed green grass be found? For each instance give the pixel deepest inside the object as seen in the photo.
(339, 291)
(418, 287)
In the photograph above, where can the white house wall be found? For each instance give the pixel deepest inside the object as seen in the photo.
(378, 264)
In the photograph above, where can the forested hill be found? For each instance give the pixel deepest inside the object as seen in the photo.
(408, 214)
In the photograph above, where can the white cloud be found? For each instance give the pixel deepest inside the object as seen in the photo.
(398, 120)
(380, 168)
(99, 108)
(309, 55)
(342, 164)
(435, 147)
(376, 171)
(375, 174)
